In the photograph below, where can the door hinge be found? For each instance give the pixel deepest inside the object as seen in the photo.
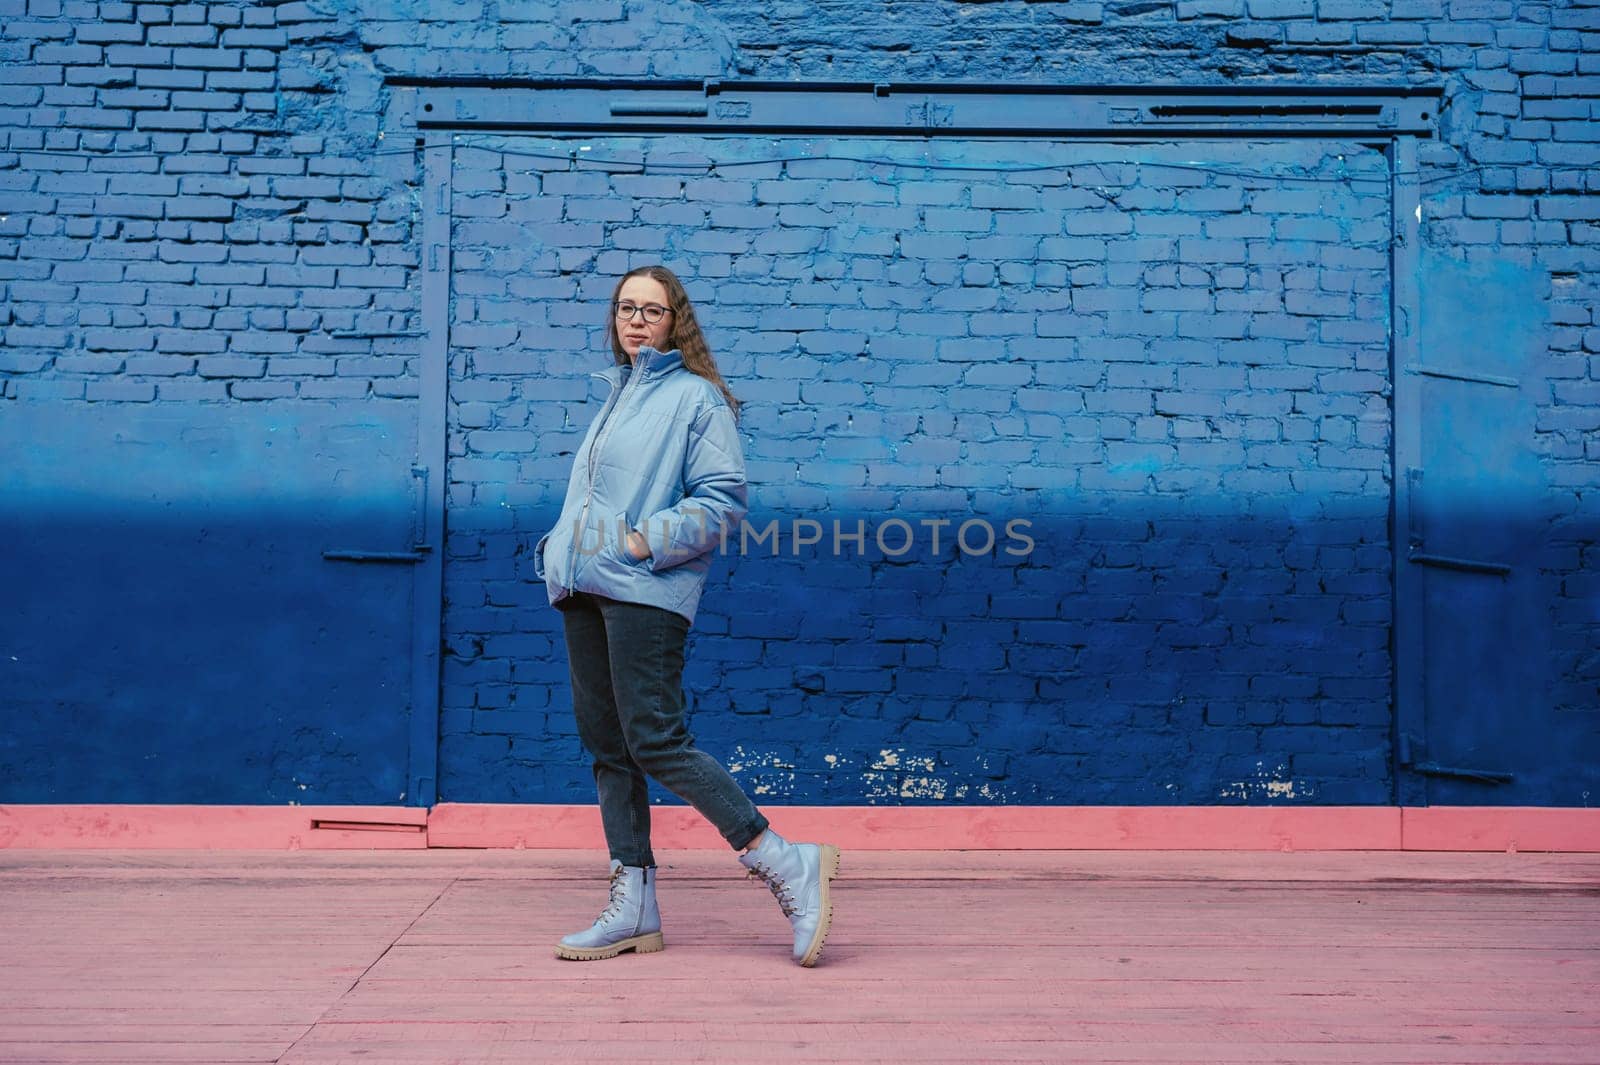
(417, 554)
(1416, 545)
(1433, 769)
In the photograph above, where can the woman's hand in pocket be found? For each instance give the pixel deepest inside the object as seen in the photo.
(637, 547)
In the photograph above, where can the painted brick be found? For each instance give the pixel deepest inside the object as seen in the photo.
(916, 340)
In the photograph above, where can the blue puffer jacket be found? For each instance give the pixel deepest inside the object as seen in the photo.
(663, 456)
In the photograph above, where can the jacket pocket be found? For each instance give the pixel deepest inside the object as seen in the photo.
(616, 537)
(538, 557)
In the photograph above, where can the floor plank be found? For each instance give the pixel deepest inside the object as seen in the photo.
(965, 956)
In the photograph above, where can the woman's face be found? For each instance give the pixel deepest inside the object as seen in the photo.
(644, 291)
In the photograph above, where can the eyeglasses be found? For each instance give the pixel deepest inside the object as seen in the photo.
(653, 312)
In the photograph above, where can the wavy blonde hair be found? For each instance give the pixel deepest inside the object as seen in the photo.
(684, 335)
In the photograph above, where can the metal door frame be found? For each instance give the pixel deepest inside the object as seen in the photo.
(1391, 118)
(428, 593)
(1406, 641)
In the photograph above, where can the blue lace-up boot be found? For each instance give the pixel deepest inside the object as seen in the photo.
(797, 874)
(630, 920)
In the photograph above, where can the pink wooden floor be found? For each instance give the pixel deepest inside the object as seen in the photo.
(952, 956)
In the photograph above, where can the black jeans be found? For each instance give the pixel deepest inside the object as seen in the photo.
(627, 695)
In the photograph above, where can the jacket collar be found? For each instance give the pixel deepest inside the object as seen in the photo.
(651, 362)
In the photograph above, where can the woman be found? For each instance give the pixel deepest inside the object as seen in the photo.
(656, 485)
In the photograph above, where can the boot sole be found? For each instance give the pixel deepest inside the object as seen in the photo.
(645, 944)
(828, 868)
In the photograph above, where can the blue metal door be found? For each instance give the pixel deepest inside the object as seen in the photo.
(1491, 730)
(208, 603)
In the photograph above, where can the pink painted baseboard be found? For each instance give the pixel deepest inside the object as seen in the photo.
(947, 827)
(1501, 828)
(134, 827)
(1306, 828)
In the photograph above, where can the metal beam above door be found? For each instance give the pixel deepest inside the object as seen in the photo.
(943, 110)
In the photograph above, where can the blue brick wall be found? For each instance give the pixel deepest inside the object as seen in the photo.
(202, 204)
(931, 364)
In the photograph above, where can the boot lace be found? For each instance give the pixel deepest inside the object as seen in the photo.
(776, 884)
(619, 896)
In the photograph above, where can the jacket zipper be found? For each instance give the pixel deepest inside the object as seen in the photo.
(572, 552)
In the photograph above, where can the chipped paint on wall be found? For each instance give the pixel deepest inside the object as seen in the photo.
(767, 772)
(1267, 784)
(744, 758)
(897, 773)
(899, 758)
(922, 788)
(986, 791)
